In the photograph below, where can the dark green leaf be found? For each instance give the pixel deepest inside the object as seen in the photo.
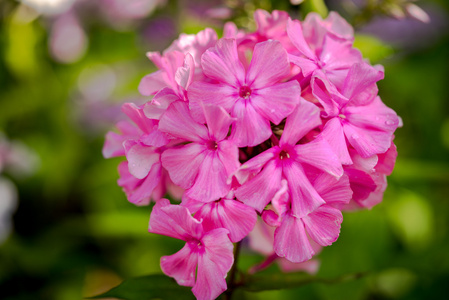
(156, 286)
(280, 281)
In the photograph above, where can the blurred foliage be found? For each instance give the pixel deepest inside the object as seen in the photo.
(75, 235)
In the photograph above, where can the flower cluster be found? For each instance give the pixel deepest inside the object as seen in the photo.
(283, 125)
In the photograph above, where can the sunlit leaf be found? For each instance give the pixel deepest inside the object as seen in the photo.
(372, 48)
(317, 6)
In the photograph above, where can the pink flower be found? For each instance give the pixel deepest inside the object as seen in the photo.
(261, 239)
(321, 52)
(178, 79)
(297, 237)
(290, 162)
(206, 253)
(227, 213)
(254, 97)
(142, 146)
(357, 116)
(203, 166)
(194, 44)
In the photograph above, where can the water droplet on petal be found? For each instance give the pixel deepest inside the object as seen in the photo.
(389, 122)
(355, 136)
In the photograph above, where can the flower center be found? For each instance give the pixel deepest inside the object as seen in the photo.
(212, 145)
(284, 155)
(245, 92)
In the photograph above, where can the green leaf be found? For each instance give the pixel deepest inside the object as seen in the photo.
(317, 6)
(372, 48)
(257, 283)
(156, 286)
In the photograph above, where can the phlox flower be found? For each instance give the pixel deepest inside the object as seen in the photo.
(261, 239)
(207, 253)
(236, 217)
(254, 97)
(203, 165)
(296, 237)
(325, 54)
(142, 145)
(290, 162)
(357, 116)
(368, 179)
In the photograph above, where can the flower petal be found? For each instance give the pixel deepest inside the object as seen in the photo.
(278, 101)
(159, 104)
(294, 31)
(291, 242)
(203, 93)
(174, 221)
(319, 154)
(334, 191)
(213, 265)
(222, 63)
(259, 191)
(181, 266)
(323, 225)
(304, 118)
(140, 160)
(177, 121)
(269, 65)
(250, 128)
(218, 121)
(304, 197)
(334, 135)
(211, 182)
(183, 163)
(233, 215)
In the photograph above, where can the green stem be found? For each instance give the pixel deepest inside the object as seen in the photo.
(231, 282)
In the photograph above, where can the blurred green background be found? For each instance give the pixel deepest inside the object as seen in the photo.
(65, 70)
